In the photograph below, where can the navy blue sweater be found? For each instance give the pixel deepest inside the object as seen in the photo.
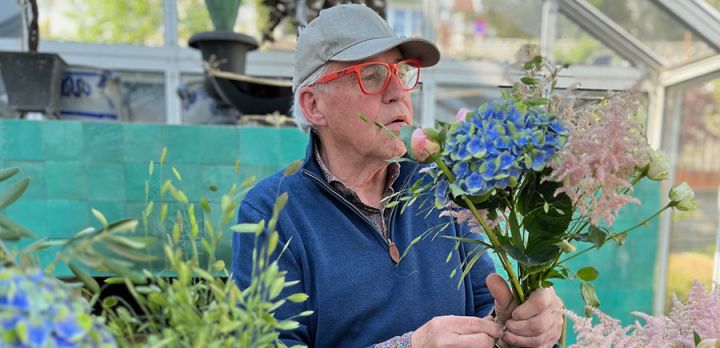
(359, 296)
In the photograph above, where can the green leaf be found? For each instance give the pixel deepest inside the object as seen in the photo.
(298, 297)
(126, 225)
(541, 254)
(597, 236)
(99, 216)
(587, 274)
(177, 174)
(14, 192)
(539, 223)
(537, 101)
(696, 338)
(620, 238)
(589, 296)
(529, 80)
(10, 230)
(406, 136)
(89, 281)
(163, 155)
(8, 173)
(555, 274)
(287, 325)
(293, 168)
(244, 228)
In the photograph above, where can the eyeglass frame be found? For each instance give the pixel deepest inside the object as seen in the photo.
(393, 67)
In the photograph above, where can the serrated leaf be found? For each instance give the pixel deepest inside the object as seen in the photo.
(587, 274)
(8, 173)
(14, 192)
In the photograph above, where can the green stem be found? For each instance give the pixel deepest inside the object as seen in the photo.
(616, 235)
(517, 289)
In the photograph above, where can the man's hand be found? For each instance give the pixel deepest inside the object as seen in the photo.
(536, 323)
(456, 331)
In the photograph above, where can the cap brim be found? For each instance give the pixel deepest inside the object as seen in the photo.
(422, 49)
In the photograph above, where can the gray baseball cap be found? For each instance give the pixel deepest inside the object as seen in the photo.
(352, 32)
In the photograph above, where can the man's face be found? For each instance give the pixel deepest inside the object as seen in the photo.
(343, 102)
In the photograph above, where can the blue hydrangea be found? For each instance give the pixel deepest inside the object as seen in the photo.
(498, 143)
(41, 311)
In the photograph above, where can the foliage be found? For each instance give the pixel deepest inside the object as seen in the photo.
(538, 175)
(694, 323)
(202, 306)
(192, 303)
(37, 310)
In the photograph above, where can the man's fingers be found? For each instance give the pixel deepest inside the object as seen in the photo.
(548, 337)
(539, 300)
(500, 292)
(475, 340)
(474, 325)
(535, 325)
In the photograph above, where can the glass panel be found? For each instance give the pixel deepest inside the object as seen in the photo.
(693, 234)
(574, 45)
(10, 21)
(135, 22)
(193, 18)
(449, 99)
(200, 108)
(662, 33)
(143, 96)
(491, 29)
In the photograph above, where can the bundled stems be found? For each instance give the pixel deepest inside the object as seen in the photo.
(517, 289)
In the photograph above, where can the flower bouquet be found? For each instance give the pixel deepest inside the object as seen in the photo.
(538, 175)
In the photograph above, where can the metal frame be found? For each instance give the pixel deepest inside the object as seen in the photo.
(610, 33)
(700, 17)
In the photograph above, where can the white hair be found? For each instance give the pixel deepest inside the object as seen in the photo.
(297, 113)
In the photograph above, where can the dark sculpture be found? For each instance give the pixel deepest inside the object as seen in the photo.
(302, 12)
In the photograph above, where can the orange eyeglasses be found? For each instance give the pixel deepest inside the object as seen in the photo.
(374, 77)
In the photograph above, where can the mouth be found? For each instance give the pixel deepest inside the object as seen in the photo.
(397, 122)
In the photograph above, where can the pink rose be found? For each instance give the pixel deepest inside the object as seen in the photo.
(422, 145)
(461, 114)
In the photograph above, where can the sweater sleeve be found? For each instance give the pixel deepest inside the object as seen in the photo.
(242, 248)
(483, 300)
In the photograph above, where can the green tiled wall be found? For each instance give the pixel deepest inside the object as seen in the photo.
(76, 166)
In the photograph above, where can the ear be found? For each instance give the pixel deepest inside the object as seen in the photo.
(312, 106)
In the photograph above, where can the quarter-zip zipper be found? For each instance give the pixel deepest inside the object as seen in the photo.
(393, 251)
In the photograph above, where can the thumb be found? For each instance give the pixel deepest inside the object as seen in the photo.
(504, 300)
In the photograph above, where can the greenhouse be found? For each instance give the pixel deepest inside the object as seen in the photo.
(141, 123)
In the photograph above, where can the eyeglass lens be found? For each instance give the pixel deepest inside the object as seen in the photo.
(374, 76)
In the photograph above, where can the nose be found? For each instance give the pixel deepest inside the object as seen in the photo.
(394, 91)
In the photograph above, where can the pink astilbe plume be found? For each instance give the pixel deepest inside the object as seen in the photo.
(604, 148)
(463, 215)
(700, 314)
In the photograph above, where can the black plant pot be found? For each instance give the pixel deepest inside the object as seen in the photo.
(229, 48)
(251, 95)
(32, 80)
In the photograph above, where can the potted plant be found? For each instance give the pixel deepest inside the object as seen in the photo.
(32, 79)
(224, 46)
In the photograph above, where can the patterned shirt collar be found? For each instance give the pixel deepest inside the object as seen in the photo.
(393, 171)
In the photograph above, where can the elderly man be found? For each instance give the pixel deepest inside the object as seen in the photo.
(343, 240)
